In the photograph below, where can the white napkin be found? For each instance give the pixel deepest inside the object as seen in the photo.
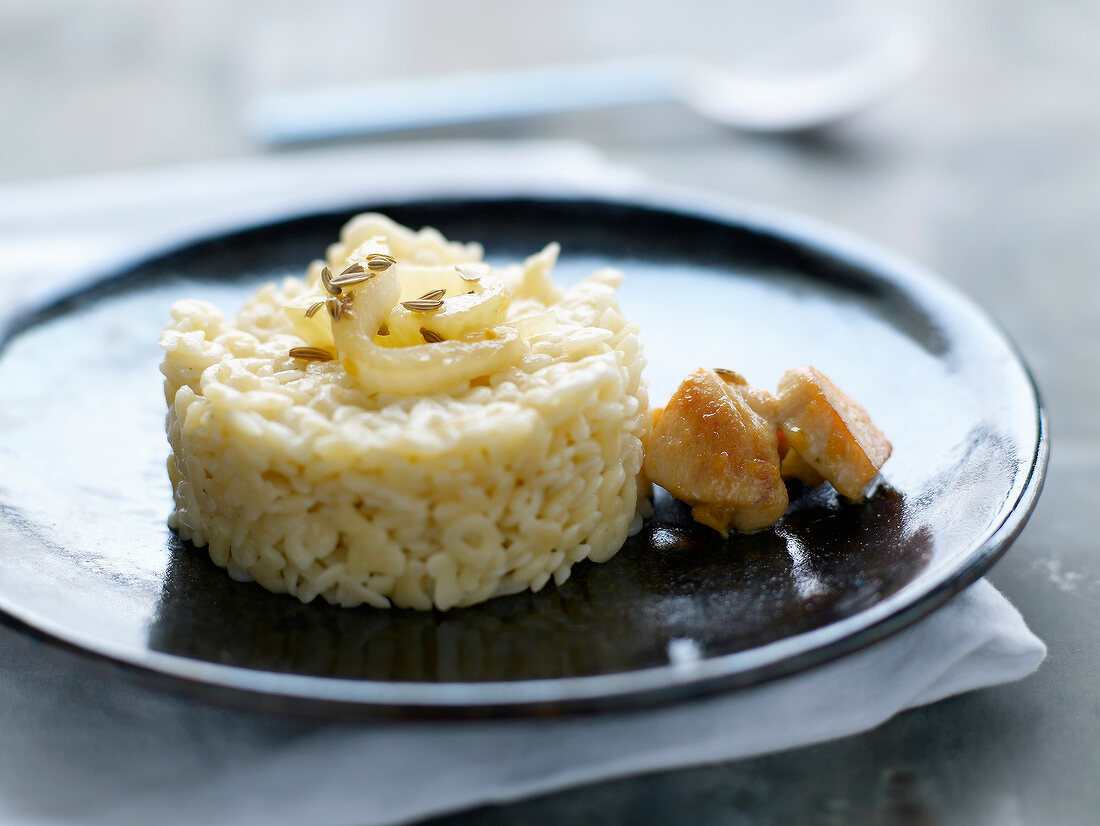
(81, 749)
(77, 748)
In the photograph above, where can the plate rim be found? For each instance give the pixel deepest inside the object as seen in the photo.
(328, 696)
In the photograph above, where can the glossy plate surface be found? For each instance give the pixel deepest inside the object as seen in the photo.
(88, 562)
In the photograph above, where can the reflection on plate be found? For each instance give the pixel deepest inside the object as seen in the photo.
(672, 583)
(83, 495)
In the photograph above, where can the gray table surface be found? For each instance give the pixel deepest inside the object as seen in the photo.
(986, 169)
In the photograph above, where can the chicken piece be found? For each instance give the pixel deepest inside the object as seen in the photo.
(830, 431)
(793, 466)
(714, 446)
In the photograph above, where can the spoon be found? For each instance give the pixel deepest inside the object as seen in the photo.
(805, 83)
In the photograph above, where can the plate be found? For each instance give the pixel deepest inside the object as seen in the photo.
(89, 564)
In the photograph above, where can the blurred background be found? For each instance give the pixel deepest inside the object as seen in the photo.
(1001, 98)
(102, 84)
(111, 83)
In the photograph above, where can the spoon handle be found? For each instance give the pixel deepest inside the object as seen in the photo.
(405, 104)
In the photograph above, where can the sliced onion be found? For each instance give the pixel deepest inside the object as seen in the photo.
(316, 330)
(424, 368)
(468, 306)
(418, 368)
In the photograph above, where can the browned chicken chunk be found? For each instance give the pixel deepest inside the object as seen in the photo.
(793, 466)
(715, 447)
(830, 431)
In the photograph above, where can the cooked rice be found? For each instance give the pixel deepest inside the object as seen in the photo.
(292, 476)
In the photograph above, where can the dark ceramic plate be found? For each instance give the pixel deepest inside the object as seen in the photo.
(88, 562)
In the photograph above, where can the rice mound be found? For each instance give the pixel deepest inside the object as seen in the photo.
(291, 475)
